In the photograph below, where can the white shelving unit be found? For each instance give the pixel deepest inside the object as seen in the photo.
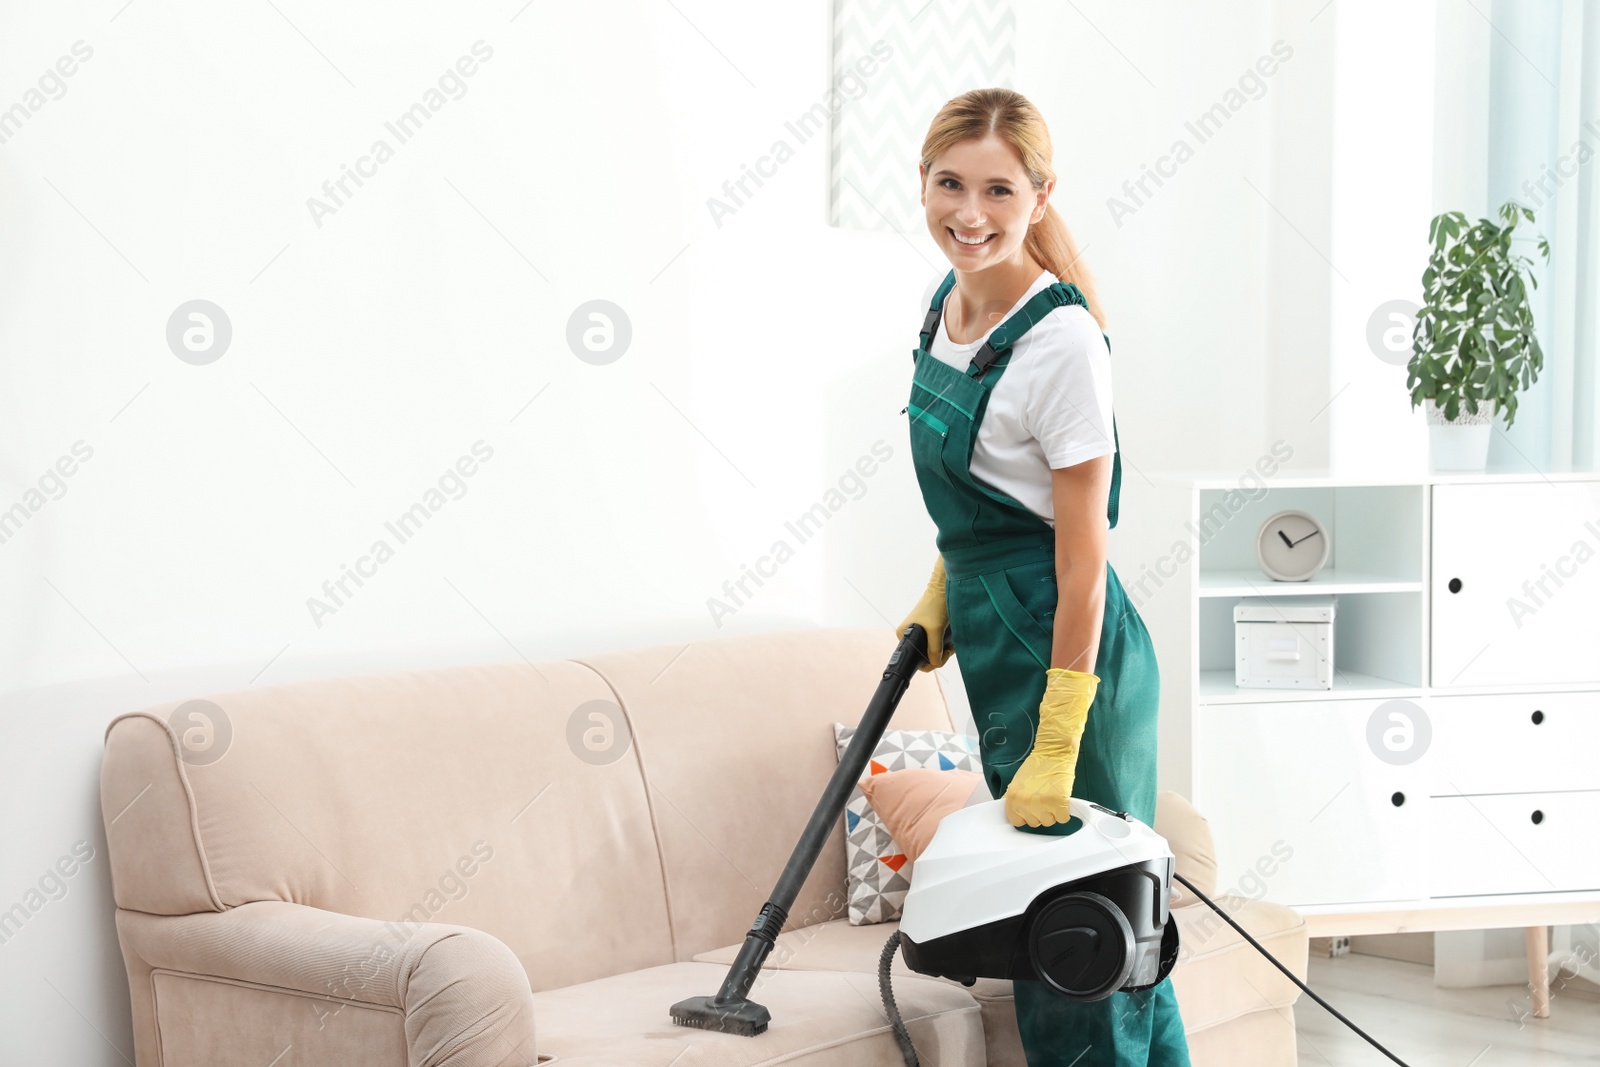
(1450, 778)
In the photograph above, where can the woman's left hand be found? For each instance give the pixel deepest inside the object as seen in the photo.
(1040, 793)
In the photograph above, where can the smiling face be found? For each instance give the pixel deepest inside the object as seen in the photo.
(979, 203)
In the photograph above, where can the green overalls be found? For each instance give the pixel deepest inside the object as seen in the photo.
(999, 560)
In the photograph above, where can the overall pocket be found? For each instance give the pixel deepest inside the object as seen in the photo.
(937, 425)
(928, 436)
(1034, 635)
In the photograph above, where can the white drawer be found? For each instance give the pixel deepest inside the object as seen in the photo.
(1514, 743)
(1492, 844)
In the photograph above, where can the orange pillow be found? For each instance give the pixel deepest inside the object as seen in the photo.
(911, 802)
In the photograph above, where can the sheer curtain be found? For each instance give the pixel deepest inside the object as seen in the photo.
(1544, 152)
(1579, 315)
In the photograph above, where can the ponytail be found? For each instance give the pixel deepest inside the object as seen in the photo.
(1051, 244)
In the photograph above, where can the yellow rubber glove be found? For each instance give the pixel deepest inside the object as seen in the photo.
(934, 616)
(1042, 787)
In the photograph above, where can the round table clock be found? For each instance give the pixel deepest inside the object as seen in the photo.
(1292, 546)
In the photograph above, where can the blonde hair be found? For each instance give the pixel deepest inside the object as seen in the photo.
(1011, 117)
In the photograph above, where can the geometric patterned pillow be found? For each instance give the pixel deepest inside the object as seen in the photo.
(878, 873)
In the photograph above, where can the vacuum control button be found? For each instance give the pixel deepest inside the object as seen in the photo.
(1113, 828)
(1109, 811)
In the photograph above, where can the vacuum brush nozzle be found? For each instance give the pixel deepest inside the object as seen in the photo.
(738, 1016)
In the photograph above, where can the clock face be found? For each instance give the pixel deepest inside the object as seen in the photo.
(1292, 546)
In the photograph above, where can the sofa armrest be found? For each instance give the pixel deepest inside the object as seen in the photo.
(1189, 836)
(463, 994)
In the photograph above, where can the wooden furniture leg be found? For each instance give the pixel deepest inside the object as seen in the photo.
(1539, 969)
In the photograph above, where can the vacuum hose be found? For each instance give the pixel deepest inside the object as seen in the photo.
(901, 1034)
(909, 1051)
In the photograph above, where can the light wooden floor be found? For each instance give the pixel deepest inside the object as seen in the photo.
(1397, 1003)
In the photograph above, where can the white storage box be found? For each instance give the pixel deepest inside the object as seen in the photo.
(1284, 642)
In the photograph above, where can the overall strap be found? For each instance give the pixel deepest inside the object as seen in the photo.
(930, 321)
(1058, 294)
(1113, 499)
(1010, 332)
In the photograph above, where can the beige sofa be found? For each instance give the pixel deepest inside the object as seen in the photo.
(468, 866)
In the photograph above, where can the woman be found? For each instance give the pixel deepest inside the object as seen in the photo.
(1015, 450)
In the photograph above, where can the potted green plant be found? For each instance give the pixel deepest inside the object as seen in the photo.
(1473, 343)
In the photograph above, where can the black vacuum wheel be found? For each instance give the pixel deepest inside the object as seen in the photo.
(1081, 946)
(1169, 948)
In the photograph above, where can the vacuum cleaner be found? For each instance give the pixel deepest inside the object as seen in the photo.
(1086, 912)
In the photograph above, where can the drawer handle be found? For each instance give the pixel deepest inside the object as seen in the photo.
(1398, 799)
(1538, 717)
(1455, 585)
(1538, 817)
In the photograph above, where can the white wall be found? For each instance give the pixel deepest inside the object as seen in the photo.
(431, 312)
(1382, 202)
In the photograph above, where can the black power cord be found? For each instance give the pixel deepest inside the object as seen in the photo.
(909, 1051)
(1311, 992)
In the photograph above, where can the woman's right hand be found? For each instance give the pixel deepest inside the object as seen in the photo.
(934, 616)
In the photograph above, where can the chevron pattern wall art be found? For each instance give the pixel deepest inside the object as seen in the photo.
(895, 63)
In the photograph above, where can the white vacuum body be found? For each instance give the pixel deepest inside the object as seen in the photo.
(1085, 913)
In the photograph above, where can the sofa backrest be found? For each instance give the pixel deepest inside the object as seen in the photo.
(487, 796)
(444, 795)
(736, 741)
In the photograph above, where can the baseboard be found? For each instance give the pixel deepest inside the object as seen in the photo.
(1414, 947)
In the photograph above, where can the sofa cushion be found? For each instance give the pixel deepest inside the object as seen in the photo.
(819, 1018)
(878, 866)
(735, 736)
(1218, 977)
(1262, 1037)
(840, 945)
(914, 801)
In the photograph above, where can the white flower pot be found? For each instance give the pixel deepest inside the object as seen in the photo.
(1462, 445)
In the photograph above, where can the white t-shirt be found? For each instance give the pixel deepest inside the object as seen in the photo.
(1052, 405)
